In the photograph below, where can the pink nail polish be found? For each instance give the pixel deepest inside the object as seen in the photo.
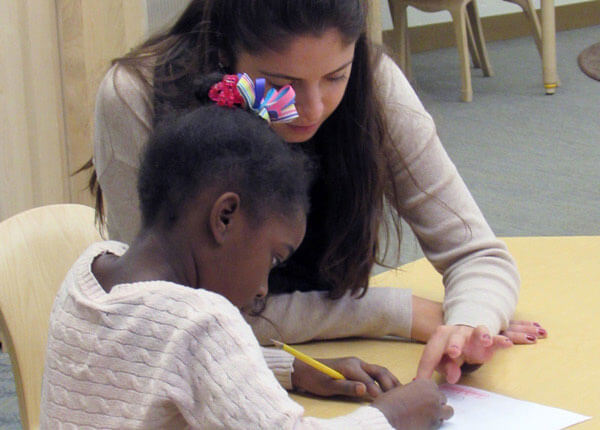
(530, 338)
(542, 332)
(537, 325)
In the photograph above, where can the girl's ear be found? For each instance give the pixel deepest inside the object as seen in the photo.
(223, 214)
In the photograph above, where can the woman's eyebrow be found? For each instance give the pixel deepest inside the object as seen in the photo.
(292, 78)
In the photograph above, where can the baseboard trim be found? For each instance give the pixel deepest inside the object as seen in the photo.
(500, 27)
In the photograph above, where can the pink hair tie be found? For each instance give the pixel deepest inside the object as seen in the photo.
(225, 92)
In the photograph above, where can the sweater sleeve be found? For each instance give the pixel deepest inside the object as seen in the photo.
(302, 316)
(123, 118)
(230, 385)
(479, 275)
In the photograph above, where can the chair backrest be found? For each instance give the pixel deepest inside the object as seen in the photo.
(37, 248)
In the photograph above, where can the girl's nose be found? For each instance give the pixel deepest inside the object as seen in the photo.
(263, 290)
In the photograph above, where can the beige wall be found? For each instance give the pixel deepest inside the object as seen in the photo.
(53, 55)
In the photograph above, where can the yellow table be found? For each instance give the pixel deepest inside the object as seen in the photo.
(560, 290)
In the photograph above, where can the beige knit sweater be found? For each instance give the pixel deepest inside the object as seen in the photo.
(480, 277)
(158, 355)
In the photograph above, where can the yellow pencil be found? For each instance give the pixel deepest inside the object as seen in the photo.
(309, 360)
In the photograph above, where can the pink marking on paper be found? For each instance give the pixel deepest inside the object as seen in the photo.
(465, 391)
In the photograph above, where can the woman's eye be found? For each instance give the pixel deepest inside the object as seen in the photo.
(336, 78)
(278, 86)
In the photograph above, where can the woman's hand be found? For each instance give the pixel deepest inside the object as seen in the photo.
(451, 346)
(524, 332)
(361, 378)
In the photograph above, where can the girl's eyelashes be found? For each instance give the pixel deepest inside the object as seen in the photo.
(275, 261)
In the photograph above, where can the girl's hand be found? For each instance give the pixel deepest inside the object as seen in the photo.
(451, 346)
(361, 378)
(415, 406)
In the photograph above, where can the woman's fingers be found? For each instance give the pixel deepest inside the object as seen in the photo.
(520, 337)
(456, 343)
(433, 353)
(451, 369)
(527, 328)
(481, 335)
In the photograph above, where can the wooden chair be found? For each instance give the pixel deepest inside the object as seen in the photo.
(37, 249)
(468, 31)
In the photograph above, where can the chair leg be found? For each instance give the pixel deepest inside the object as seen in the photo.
(472, 47)
(473, 14)
(534, 21)
(400, 35)
(459, 18)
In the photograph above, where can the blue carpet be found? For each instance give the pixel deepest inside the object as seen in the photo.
(9, 406)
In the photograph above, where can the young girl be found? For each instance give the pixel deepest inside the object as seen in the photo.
(372, 140)
(150, 335)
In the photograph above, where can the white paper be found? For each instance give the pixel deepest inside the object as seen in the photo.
(479, 409)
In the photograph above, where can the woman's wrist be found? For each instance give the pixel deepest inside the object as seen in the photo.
(427, 316)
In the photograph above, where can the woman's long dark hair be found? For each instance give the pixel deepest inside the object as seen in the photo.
(341, 244)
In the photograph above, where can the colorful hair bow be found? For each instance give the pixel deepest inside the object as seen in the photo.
(275, 106)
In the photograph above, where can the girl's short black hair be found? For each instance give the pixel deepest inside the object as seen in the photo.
(227, 148)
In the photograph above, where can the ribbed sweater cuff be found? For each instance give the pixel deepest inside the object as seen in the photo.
(281, 364)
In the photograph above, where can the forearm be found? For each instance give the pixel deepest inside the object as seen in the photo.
(300, 317)
(427, 315)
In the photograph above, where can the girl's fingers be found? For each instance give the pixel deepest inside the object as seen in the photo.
(354, 370)
(447, 412)
(339, 387)
(383, 376)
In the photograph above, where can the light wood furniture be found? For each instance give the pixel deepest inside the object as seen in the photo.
(53, 54)
(374, 21)
(38, 248)
(560, 290)
(467, 29)
(469, 37)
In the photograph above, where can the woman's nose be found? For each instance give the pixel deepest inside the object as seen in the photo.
(309, 104)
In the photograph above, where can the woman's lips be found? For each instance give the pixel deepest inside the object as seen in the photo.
(303, 128)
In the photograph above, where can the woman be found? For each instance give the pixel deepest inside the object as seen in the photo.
(372, 139)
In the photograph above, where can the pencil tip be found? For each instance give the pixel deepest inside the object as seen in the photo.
(276, 342)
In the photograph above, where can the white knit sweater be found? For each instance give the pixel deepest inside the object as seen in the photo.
(158, 355)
